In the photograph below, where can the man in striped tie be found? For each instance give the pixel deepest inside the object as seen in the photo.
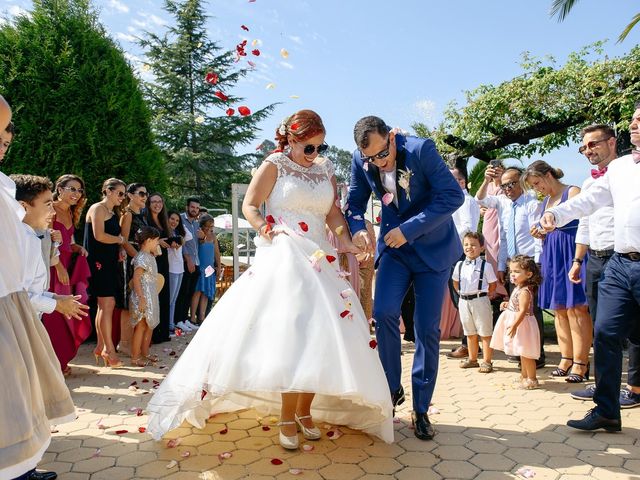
(518, 211)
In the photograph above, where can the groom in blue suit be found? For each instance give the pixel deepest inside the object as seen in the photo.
(418, 243)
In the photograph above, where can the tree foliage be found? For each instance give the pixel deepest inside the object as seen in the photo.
(78, 108)
(194, 132)
(542, 109)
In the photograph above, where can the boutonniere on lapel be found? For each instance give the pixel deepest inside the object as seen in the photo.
(404, 181)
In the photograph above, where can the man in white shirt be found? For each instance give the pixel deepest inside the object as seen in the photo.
(595, 235)
(467, 216)
(618, 311)
(518, 211)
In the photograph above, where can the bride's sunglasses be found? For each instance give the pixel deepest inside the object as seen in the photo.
(309, 149)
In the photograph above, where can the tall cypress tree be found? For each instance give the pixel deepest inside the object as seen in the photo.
(190, 96)
(78, 107)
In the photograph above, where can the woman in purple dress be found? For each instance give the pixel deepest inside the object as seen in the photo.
(568, 300)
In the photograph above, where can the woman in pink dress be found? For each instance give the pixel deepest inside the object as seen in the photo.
(71, 275)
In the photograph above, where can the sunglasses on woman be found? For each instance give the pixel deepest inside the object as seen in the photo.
(120, 193)
(79, 191)
(309, 149)
(142, 194)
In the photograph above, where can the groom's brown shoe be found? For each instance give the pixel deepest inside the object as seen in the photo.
(460, 352)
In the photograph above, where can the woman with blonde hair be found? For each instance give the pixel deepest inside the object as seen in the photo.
(104, 238)
(568, 300)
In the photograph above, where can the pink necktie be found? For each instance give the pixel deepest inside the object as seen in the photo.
(597, 173)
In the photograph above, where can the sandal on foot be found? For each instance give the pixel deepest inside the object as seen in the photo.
(528, 384)
(576, 377)
(561, 372)
(152, 358)
(486, 367)
(469, 363)
(139, 362)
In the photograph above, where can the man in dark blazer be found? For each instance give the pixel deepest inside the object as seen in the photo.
(418, 243)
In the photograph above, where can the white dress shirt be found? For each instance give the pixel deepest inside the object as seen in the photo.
(12, 240)
(388, 180)
(36, 277)
(619, 188)
(596, 230)
(466, 218)
(468, 275)
(528, 211)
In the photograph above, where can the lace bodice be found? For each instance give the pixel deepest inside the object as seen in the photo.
(302, 194)
(514, 300)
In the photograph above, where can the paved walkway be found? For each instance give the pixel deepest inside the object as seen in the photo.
(486, 430)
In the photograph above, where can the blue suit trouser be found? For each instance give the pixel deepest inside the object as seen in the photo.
(618, 316)
(397, 269)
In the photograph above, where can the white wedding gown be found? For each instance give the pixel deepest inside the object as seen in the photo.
(279, 328)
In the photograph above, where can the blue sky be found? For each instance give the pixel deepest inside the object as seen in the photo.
(403, 61)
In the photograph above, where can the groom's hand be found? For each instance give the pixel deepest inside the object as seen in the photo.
(395, 238)
(363, 242)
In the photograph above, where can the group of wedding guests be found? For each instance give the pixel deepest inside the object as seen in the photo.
(129, 237)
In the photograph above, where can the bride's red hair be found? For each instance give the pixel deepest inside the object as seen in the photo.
(299, 126)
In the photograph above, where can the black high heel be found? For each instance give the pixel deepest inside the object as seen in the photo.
(561, 372)
(576, 377)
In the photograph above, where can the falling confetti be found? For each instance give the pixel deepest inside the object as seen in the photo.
(199, 119)
(244, 111)
(284, 53)
(230, 112)
(270, 86)
(256, 52)
(211, 78)
(255, 43)
(221, 96)
(244, 27)
(294, 96)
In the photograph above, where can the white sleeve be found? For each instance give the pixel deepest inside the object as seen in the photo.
(490, 201)
(502, 251)
(585, 203)
(489, 274)
(187, 235)
(582, 235)
(42, 301)
(455, 276)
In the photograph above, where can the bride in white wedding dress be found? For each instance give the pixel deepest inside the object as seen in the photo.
(289, 336)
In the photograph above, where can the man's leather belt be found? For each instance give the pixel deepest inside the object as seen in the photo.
(633, 256)
(475, 295)
(601, 253)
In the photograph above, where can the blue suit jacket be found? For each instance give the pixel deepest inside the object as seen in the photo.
(425, 219)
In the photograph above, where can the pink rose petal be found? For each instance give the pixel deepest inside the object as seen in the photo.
(225, 455)
(307, 448)
(295, 471)
(171, 464)
(186, 454)
(387, 198)
(174, 442)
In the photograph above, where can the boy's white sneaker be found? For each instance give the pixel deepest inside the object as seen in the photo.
(183, 326)
(191, 325)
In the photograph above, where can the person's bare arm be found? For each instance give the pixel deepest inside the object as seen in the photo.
(98, 213)
(259, 190)
(125, 230)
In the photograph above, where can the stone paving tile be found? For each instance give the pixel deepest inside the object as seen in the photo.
(486, 429)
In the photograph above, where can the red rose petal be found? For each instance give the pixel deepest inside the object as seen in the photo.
(345, 313)
(244, 111)
(172, 353)
(378, 219)
(331, 258)
(203, 394)
(139, 412)
(267, 229)
(230, 112)
(256, 52)
(373, 344)
(224, 431)
(244, 27)
(251, 64)
(221, 96)
(294, 126)
(142, 429)
(303, 226)
(178, 332)
(211, 78)
(145, 380)
(276, 461)
(133, 384)
(121, 432)
(266, 428)
(270, 219)
(330, 434)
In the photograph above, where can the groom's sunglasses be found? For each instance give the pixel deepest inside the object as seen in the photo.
(378, 156)
(309, 149)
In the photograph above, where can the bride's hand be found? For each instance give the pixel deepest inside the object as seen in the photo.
(350, 247)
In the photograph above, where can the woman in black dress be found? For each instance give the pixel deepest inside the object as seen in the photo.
(103, 240)
(132, 219)
(157, 217)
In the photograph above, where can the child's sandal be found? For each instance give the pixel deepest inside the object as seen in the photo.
(486, 367)
(469, 363)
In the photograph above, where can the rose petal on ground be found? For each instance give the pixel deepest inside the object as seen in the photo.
(139, 412)
(142, 429)
(295, 471)
(224, 431)
(121, 432)
(373, 344)
(172, 464)
(266, 428)
(133, 384)
(387, 198)
(307, 448)
(396, 420)
(225, 455)
(174, 442)
(276, 461)
(96, 453)
(186, 454)
(334, 434)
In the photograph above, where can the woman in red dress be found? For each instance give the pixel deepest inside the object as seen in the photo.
(71, 275)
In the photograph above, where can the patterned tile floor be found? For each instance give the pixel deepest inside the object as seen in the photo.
(486, 430)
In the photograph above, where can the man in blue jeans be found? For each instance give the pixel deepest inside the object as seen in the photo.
(618, 312)
(595, 236)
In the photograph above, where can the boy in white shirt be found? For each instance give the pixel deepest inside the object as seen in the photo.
(35, 195)
(475, 281)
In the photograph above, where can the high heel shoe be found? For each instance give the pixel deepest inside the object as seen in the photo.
(139, 362)
(97, 356)
(561, 372)
(576, 377)
(312, 433)
(152, 358)
(290, 443)
(109, 362)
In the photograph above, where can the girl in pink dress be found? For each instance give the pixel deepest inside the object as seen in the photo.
(70, 276)
(516, 332)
